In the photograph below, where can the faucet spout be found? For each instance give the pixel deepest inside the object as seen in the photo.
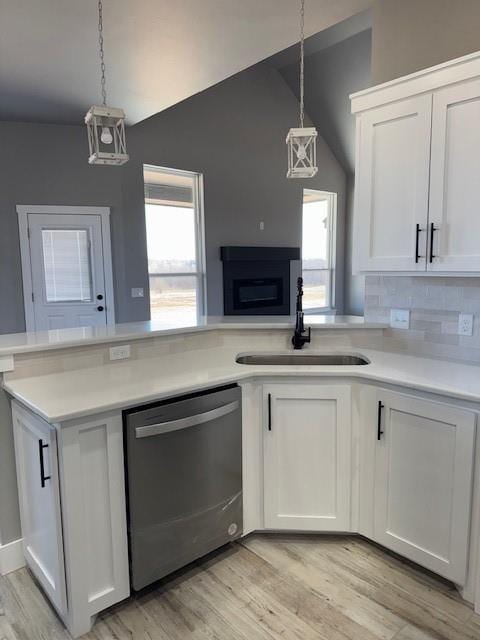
(299, 338)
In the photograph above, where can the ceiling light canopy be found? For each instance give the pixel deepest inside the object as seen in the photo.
(105, 125)
(302, 141)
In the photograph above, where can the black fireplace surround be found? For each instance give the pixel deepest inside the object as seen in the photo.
(256, 280)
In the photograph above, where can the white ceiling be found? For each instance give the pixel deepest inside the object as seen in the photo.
(157, 52)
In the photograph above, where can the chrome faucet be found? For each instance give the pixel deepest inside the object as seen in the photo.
(299, 338)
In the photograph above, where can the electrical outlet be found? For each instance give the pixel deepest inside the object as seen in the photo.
(400, 318)
(465, 324)
(137, 292)
(261, 226)
(120, 353)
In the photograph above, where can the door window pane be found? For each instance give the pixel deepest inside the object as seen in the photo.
(66, 262)
(173, 299)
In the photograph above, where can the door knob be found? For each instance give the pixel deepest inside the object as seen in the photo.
(100, 308)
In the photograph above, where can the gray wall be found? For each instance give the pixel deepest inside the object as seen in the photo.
(331, 75)
(409, 35)
(47, 164)
(234, 133)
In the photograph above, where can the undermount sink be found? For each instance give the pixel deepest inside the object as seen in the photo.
(327, 359)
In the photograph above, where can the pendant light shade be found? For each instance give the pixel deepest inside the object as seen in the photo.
(302, 141)
(302, 152)
(106, 135)
(105, 125)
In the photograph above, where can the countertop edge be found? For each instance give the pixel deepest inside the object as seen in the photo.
(239, 376)
(144, 334)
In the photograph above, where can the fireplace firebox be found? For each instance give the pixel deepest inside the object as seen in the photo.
(256, 280)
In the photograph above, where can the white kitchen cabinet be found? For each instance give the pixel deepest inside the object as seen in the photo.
(307, 457)
(454, 179)
(74, 521)
(423, 481)
(392, 185)
(417, 172)
(39, 493)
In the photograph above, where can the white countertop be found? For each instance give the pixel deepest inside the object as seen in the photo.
(62, 396)
(13, 343)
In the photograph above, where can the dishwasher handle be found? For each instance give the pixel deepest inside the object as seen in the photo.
(183, 423)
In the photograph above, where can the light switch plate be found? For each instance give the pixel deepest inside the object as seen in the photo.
(465, 324)
(137, 292)
(120, 353)
(400, 318)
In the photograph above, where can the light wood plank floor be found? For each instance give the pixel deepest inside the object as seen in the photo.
(267, 587)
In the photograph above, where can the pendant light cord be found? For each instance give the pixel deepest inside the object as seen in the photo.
(102, 55)
(302, 60)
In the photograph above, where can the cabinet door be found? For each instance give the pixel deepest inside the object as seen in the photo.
(307, 459)
(37, 476)
(393, 151)
(423, 482)
(455, 178)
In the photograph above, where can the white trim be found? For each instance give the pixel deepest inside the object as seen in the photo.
(198, 207)
(104, 212)
(11, 557)
(426, 80)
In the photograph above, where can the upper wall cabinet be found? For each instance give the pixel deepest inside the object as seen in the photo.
(417, 172)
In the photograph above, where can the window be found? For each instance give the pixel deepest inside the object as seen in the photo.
(174, 226)
(318, 250)
(66, 263)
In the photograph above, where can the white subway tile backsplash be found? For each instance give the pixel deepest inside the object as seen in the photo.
(435, 304)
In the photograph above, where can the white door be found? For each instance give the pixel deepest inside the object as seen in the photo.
(392, 186)
(423, 482)
(307, 457)
(37, 476)
(455, 178)
(66, 268)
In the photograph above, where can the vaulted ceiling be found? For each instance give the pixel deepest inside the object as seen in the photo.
(158, 52)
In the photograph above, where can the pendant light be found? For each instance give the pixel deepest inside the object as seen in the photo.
(105, 125)
(302, 141)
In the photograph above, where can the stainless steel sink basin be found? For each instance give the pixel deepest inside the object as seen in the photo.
(327, 359)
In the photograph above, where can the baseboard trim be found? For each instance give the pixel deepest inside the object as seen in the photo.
(11, 557)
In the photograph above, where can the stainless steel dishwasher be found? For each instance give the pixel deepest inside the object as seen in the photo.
(184, 477)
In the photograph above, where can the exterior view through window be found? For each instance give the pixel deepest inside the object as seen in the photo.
(174, 227)
(318, 243)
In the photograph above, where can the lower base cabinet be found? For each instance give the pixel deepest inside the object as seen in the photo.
(307, 457)
(402, 464)
(424, 455)
(39, 497)
(72, 504)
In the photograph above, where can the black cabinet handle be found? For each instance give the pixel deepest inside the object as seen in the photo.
(99, 297)
(100, 308)
(417, 234)
(379, 420)
(43, 477)
(269, 407)
(432, 232)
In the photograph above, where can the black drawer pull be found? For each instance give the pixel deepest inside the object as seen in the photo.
(269, 405)
(417, 235)
(43, 477)
(432, 232)
(379, 420)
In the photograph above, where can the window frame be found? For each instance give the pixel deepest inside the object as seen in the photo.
(198, 206)
(331, 199)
